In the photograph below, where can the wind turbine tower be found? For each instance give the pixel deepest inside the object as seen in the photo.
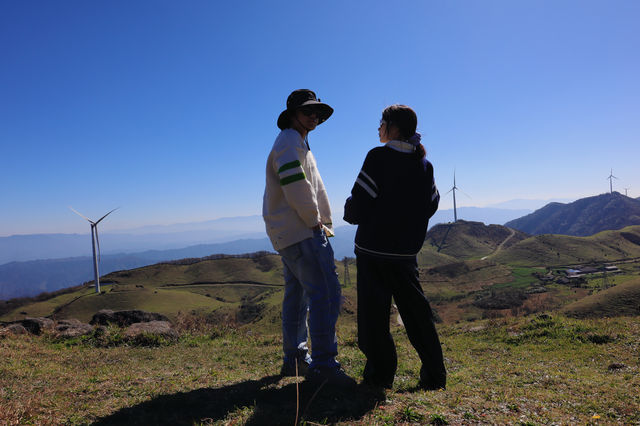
(95, 240)
(455, 212)
(611, 178)
(625, 192)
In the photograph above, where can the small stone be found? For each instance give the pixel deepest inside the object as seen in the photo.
(616, 366)
(16, 329)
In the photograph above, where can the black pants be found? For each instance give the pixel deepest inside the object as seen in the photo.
(378, 280)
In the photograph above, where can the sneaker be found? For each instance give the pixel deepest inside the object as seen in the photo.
(289, 369)
(330, 376)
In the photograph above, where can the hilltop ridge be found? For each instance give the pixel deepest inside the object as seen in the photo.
(581, 218)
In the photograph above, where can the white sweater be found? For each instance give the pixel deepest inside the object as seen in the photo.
(294, 197)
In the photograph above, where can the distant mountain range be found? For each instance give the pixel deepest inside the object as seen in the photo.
(20, 248)
(583, 217)
(486, 215)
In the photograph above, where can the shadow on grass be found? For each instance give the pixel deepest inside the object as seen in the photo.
(269, 404)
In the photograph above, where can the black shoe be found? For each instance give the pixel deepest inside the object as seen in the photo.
(431, 386)
(377, 378)
(331, 376)
(372, 383)
(289, 369)
(429, 380)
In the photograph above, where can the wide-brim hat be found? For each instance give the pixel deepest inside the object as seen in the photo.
(300, 98)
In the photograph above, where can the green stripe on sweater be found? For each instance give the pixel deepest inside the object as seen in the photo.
(291, 179)
(291, 165)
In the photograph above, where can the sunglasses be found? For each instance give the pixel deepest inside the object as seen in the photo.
(309, 111)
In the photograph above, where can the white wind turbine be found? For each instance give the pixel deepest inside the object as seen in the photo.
(455, 212)
(94, 240)
(611, 178)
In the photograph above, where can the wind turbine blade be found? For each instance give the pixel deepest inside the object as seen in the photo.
(464, 192)
(448, 191)
(81, 215)
(98, 221)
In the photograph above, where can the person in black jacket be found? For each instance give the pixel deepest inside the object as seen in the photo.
(391, 202)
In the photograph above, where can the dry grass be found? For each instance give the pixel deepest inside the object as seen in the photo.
(533, 370)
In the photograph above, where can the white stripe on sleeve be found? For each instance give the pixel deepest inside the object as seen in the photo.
(366, 188)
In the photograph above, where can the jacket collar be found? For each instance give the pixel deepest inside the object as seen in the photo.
(401, 146)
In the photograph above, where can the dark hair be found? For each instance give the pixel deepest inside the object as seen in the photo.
(406, 121)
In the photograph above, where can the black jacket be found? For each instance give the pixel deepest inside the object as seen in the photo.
(391, 202)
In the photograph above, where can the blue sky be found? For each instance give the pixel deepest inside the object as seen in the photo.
(167, 109)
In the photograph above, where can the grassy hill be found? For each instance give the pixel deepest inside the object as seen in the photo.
(236, 289)
(193, 285)
(556, 250)
(465, 240)
(623, 299)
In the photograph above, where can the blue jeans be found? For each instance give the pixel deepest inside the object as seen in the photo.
(311, 286)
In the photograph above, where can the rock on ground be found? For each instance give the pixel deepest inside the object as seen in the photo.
(125, 318)
(16, 329)
(72, 328)
(36, 325)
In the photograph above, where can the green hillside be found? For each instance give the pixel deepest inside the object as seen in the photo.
(557, 250)
(621, 300)
(263, 269)
(236, 289)
(466, 240)
(429, 256)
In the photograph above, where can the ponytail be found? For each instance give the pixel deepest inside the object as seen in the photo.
(414, 140)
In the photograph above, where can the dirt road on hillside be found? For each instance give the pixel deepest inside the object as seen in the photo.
(513, 232)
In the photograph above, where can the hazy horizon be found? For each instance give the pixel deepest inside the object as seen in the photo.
(159, 228)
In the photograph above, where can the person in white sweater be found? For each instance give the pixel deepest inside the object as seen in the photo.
(297, 216)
